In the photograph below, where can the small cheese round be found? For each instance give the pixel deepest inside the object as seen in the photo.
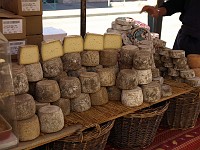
(52, 67)
(166, 90)
(151, 92)
(126, 21)
(25, 106)
(90, 82)
(127, 79)
(107, 76)
(64, 104)
(70, 87)
(114, 93)
(90, 58)
(181, 67)
(100, 97)
(144, 76)
(76, 73)
(81, 103)
(28, 129)
(108, 57)
(187, 73)
(71, 61)
(193, 60)
(194, 82)
(47, 91)
(180, 61)
(177, 53)
(34, 72)
(132, 98)
(51, 119)
(120, 27)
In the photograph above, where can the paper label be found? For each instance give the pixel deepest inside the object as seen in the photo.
(30, 5)
(12, 26)
(14, 46)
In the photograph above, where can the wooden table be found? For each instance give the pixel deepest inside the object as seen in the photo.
(97, 115)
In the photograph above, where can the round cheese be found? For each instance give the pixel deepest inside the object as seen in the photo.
(28, 129)
(193, 60)
(107, 76)
(64, 104)
(194, 82)
(187, 73)
(177, 53)
(71, 61)
(25, 106)
(132, 98)
(127, 79)
(51, 119)
(166, 90)
(180, 61)
(155, 72)
(70, 87)
(34, 72)
(76, 73)
(52, 67)
(100, 97)
(90, 82)
(114, 93)
(81, 103)
(126, 21)
(47, 91)
(181, 67)
(90, 58)
(108, 57)
(144, 76)
(173, 72)
(151, 92)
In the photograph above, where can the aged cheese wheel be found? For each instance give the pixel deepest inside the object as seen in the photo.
(177, 53)
(52, 67)
(120, 27)
(187, 73)
(114, 93)
(127, 79)
(25, 106)
(34, 72)
(173, 72)
(193, 60)
(194, 82)
(166, 90)
(100, 97)
(151, 92)
(94, 68)
(76, 73)
(142, 60)
(47, 91)
(144, 76)
(71, 61)
(160, 80)
(132, 98)
(58, 77)
(108, 57)
(180, 61)
(166, 59)
(90, 58)
(28, 129)
(64, 104)
(81, 103)
(107, 76)
(155, 72)
(126, 21)
(90, 82)
(197, 72)
(51, 119)
(70, 87)
(40, 105)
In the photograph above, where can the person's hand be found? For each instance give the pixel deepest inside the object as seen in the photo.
(152, 11)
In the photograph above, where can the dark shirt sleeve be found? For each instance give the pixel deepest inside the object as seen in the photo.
(173, 6)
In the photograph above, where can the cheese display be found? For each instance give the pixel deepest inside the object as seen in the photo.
(47, 91)
(70, 87)
(34, 72)
(112, 41)
(100, 97)
(81, 103)
(52, 67)
(114, 93)
(73, 43)
(25, 106)
(166, 90)
(144, 76)
(51, 119)
(64, 104)
(108, 57)
(127, 79)
(107, 76)
(187, 73)
(28, 54)
(193, 60)
(90, 82)
(28, 129)
(93, 42)
(51, 49)
(132, 98)
(90, 58)
(71, 61)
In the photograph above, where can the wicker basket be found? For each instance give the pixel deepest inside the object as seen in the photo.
(137, 131)
(183, 111)
(89, 139)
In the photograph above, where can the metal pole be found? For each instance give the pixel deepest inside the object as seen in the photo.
(83, 17)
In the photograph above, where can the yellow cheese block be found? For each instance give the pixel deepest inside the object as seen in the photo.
(51, 49)
(93, 41)
(73, 43)
(112, 41)
(28, 54)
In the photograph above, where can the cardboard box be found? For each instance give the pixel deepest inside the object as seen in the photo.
(12, 26)
(23, 7)
(35, 40)
(33, 25)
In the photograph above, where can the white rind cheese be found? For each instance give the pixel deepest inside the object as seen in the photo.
(100, 97)
(107, 76)
(112, 41)
(93, 42)
(177, 53)
(34, 72)
(144, 76)
(187, 73)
